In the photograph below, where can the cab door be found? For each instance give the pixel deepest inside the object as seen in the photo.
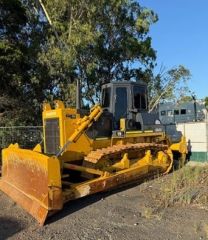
(121, 103)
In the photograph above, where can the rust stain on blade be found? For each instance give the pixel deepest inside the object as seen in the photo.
(26, 175)
(26, 179)
(111, 182)
(30, 205)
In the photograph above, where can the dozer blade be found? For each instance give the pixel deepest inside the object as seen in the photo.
(32, 180)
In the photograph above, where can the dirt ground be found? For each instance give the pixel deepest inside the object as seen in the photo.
(135, 213)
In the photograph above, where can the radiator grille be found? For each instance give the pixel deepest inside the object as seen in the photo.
(52, 136)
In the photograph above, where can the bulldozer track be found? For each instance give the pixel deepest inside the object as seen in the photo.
(109, 152)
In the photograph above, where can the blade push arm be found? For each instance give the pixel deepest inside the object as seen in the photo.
(83, 125)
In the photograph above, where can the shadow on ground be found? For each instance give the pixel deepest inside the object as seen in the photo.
(9, 227)
(78, 204)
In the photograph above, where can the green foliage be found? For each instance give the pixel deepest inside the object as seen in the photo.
(93, 41)
(170, 85)
(21, 75)
(185, 99)
(206, 102)
(12, 18)
(178, 78)
(12, 63)
(146, 18)
(98, 43)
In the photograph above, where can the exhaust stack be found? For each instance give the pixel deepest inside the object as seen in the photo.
(78, 99)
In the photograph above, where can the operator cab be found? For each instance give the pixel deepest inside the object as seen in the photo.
(125, 100)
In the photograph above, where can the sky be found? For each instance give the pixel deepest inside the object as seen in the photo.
(181, 37)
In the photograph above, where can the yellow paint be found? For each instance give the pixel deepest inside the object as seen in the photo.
(180, 147)
(123, 124)
(123, 164)
(39, 161)
(72, 129)
(54, 172)
(37, 148)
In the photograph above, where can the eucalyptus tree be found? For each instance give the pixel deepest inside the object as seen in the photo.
(21, 73)
(98, 42)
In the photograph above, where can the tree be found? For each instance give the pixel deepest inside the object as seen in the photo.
(170, 85)
(98, 43)
(12, 50)
(206, 102)
(95, 43)
(21, 74)
(186, 98)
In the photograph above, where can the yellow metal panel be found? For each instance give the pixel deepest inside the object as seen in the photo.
(123, 124)
(33, 180)
(180, 147)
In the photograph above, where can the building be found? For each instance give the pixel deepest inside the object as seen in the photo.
(196, 134)
(190, 120)
(170, 113)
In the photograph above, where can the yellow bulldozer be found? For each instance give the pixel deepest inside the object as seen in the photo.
(86, 152)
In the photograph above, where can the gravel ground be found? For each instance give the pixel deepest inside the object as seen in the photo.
(125, 214)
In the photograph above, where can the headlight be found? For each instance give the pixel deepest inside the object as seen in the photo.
(120, 133)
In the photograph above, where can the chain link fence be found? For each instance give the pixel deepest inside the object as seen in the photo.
(26, 137)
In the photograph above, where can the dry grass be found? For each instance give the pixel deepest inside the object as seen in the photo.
(186, 186)
(206, 229)
(149, 213)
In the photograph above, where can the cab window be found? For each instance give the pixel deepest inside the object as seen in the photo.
(140, 100)
(106, 94)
